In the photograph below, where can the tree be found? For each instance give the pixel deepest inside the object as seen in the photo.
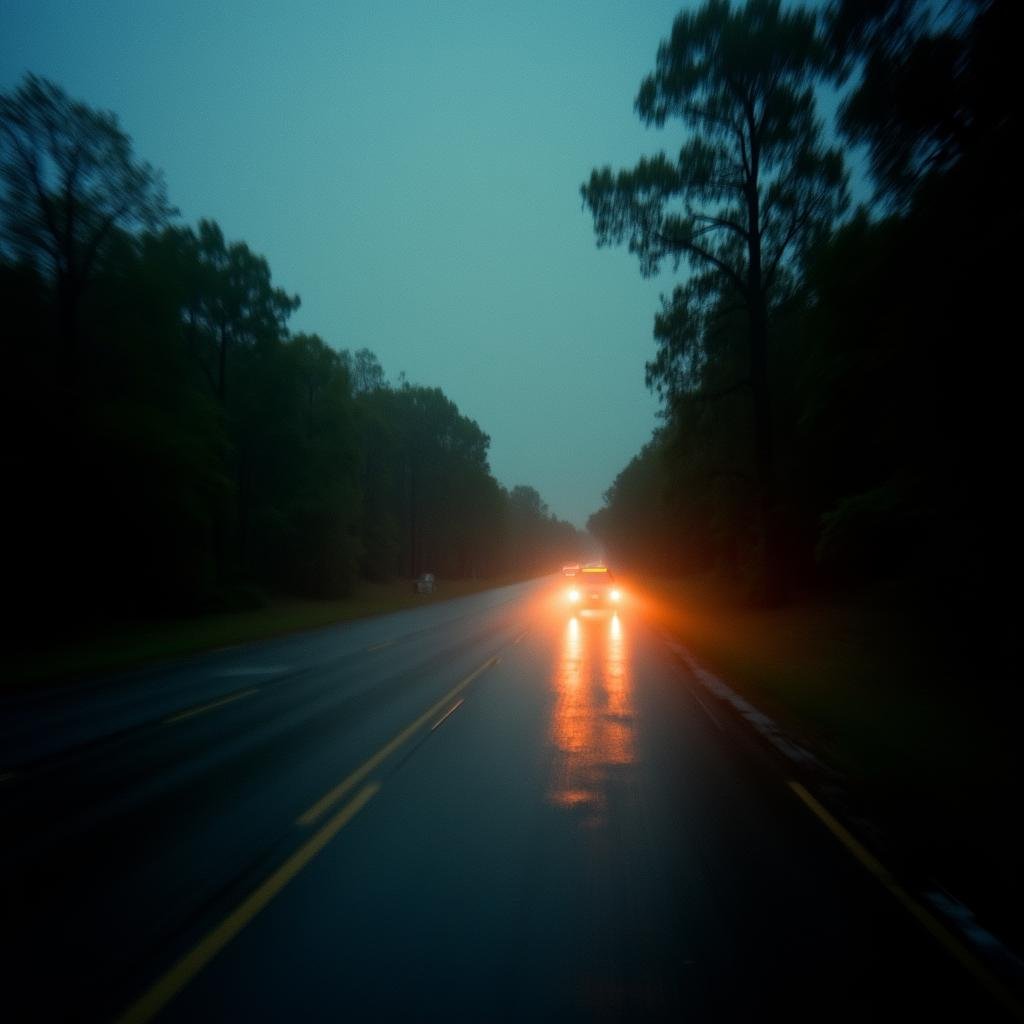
(935, 101)
(537, 540)
(298, 467)
(935, 83)
(367, 373)
(235, 302)
(317, 364)
(528, 502)
(630, 525)
(69, 181)
(752, 188)
(439, 446)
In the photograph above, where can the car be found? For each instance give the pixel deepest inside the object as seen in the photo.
(425, 583)
(595, 587)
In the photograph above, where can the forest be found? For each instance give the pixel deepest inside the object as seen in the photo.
(171, 446)
(835, 381)
(837, 401)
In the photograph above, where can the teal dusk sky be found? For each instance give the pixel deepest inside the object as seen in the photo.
(412, 171)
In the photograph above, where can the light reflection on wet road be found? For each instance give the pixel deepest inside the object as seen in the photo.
(593, 720)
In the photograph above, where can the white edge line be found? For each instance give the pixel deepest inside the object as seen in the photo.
(760, 721)
(954, 911)
(961, 917)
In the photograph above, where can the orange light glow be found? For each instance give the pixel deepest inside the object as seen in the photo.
(592, 726)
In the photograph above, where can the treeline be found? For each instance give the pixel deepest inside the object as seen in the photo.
(171, 445)
(837, 394)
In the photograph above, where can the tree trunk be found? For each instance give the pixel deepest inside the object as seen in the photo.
(222, 366)
(412, 519)
(769, 585)
(67, 327)
(770, 582)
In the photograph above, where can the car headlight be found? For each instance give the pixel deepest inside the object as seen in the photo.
(574, 595)
(615, 595)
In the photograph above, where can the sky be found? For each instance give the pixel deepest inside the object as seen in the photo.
(412, 171)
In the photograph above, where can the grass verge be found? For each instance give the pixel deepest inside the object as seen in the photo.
(120, 646)
(877, 693)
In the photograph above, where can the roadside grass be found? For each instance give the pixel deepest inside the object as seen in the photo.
(844, 676)
(119, 646)
(873, 691)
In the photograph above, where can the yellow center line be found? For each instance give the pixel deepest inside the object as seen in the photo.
(931, 924)
(520, 637)
(203, 708)
(380, 646)
(167, 987)
(444, 718)
(328, 800)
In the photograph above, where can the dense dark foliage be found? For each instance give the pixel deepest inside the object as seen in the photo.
(887, 352)
(751, 189)
(170, 445)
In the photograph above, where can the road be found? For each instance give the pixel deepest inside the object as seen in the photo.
(484, 809)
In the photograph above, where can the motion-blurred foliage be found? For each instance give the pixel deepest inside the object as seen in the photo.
(891, 394)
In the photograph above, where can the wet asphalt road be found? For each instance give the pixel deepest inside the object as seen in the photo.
(484, 809)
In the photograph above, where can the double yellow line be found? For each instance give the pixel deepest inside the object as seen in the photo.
(170, 984)
(329, 799)
(201, 709)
